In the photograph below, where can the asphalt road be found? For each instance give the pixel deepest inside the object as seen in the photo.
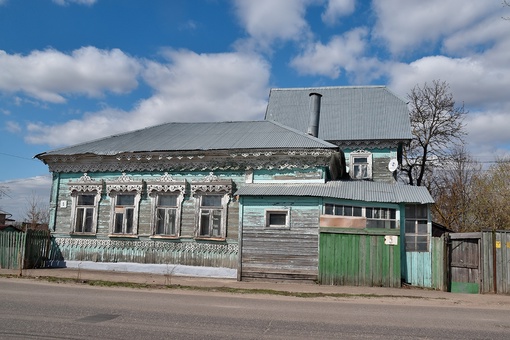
(39, 310)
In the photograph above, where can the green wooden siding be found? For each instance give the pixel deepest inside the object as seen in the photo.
(358, 258)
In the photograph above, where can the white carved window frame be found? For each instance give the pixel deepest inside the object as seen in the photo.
(124, 185)
(211, 185)
(166, 184)
(85, 185)
(360, 154)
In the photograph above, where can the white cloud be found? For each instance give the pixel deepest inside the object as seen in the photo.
(341, 52)
(336, 9)
(268, 20)
(49, 75)
(79, 2)
(12, 127)
(418, 24)
(22, 191)
(190, 87)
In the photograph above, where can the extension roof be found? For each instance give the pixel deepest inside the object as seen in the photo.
(196, 137)
(351, 190)
(347, 113)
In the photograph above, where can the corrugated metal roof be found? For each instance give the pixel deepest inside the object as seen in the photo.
(347, 113)
(351, 190)
(199, 136)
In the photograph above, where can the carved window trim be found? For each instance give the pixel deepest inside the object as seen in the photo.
(360, 154)
(164, 185)
(211, 185)
(119, 186)
(84, 185)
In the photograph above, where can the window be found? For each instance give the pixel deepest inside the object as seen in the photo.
(85, 197)
(167, 195)
(416, 228)
(381, 218)
(211, 216)
(361, 165)
(85, 213)
(124, 214)
(376, 217)
(166, 215)
(125, 194)
(277, 219)
(212, 196)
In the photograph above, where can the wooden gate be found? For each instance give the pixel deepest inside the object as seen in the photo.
(496, 262)
(464, 259)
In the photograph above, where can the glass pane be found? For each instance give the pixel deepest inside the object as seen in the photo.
(216, 223)
(410, 227)
(126, 200)
(410, 213)
(160, 221)
(393, 214)
(79, 220)
(421, 211)
(328, 209)
(89, 213)
(347, 211)
(277, 218)
(129, 221)
(422, 227)
(211, 200)
(86, 199)
(357, 211)
(167, 200)
(204, 223)
(118, 223)
(171, 227)
(369, 212)
(361, 160)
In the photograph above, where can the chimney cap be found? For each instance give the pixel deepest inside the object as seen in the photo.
(315, 94)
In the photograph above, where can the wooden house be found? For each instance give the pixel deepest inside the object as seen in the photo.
(261, 199)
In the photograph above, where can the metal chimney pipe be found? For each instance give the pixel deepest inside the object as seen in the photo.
(315, 110)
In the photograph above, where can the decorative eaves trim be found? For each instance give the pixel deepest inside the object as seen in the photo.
(124, 183)
(212, 183)
(86, 184)
(166, 183)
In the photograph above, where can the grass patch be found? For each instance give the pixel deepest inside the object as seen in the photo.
(231, 290)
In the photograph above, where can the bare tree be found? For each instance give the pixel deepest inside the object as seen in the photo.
(37, 213)
(437, 127)
(491, 196)
(452, 189)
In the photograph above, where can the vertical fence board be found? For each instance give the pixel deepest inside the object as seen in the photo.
(358, 258)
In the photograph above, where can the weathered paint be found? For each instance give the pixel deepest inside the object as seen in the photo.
(464, 258)
(496, 262)
(143, 247)
(286, 254)
(24, 250)
(315, 175)
(358, 257)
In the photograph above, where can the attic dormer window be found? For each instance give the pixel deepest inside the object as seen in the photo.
(361, 165)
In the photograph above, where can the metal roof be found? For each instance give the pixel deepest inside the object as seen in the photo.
(351, 190)
(346, 113)
(199, 136)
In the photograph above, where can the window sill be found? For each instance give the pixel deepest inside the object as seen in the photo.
(204, 238)
(122, 236)
(82, 234)
(165, 237)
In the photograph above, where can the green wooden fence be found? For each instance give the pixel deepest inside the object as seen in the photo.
(359, 258)
(24, 250)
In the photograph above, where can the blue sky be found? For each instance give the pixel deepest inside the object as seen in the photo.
(77, 70)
